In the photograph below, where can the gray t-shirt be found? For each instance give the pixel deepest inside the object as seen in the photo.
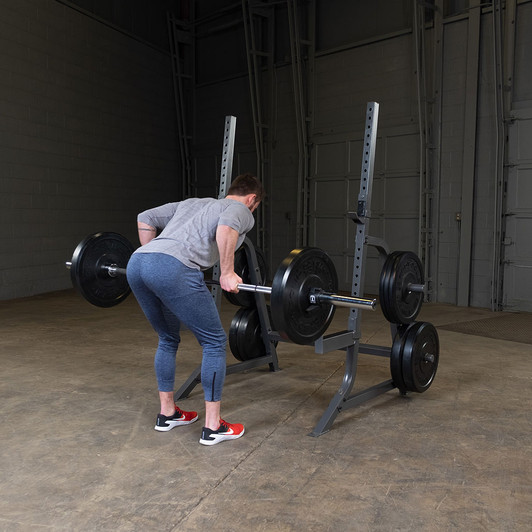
(189, 228)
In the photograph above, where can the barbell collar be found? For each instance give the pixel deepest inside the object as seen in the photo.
(113, 270)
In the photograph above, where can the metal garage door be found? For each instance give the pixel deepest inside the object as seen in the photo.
(517, 268)
(334, 188)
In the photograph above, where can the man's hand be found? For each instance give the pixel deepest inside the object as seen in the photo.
(229, 282)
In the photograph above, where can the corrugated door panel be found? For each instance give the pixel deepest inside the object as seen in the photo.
(517, 253)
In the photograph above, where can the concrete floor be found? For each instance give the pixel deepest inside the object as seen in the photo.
(78, 450)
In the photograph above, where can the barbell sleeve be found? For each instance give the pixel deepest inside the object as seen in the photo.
(112, 269)
(344, 301)
(414, 287)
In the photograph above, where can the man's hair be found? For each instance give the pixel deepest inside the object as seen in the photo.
(246, 184)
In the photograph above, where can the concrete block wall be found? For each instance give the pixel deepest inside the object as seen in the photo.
(87, 138)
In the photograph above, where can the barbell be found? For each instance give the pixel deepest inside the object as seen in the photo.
(302, 295)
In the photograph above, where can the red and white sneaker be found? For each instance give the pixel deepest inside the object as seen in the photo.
(226, 431)
(180, 417)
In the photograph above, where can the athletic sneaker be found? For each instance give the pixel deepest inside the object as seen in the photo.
(226, 431)
(180, 417)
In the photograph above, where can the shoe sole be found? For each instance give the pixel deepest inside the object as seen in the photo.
(173, 424)
(220, 438)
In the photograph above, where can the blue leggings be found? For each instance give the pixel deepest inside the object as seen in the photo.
(170, 293)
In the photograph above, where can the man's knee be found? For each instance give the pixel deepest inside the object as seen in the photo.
(169, 340)
(215, 341)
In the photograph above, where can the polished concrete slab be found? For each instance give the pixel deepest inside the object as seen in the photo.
(78, 451)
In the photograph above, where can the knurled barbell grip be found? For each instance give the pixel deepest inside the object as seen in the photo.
(245, 287)
(255, 288)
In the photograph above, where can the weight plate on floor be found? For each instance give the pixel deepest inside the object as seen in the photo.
(250, 341)
(421, 350)
(246, 299)
(294, 317)
(396, 358)
(90, 277)
(233, 334)
(398, 303)
(245, 335)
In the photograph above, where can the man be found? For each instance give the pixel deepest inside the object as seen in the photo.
(166, 276)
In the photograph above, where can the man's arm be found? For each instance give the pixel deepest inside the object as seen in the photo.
(146, 232)
(226, 239)
(153, 219)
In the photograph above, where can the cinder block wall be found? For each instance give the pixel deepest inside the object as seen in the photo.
(87, 138)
